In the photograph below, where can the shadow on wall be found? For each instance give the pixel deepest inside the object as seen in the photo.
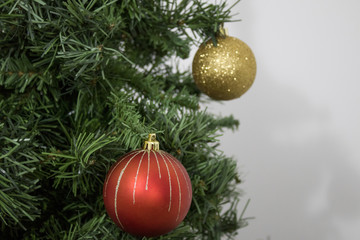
(300, 179)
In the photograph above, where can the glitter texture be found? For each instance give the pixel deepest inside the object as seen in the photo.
(226, 71)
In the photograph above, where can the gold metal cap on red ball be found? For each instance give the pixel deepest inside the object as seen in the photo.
(151, 143)
(225, 71)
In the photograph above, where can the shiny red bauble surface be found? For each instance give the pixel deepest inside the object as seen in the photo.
(147, 192)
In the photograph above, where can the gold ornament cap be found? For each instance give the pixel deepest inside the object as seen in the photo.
(223, 31)
(151, 143)
(225, 71)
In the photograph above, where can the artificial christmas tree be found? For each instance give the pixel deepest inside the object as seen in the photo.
(84, 82)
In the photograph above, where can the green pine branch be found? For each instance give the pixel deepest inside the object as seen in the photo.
(84, 82)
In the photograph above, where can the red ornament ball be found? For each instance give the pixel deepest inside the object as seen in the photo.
(147, 192)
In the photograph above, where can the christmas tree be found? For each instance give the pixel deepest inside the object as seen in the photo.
(84, 82)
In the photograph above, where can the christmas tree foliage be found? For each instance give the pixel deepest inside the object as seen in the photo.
(84, 82)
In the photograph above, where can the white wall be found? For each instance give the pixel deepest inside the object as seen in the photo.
(298, 142)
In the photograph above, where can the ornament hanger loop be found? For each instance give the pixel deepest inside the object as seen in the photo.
(151, 143)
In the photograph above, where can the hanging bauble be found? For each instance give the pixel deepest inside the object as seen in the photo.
(147, 192)
(225, 71)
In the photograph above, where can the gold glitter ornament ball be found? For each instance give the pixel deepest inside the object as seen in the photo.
(225, 71)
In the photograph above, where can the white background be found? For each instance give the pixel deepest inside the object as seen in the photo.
(298, 140)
